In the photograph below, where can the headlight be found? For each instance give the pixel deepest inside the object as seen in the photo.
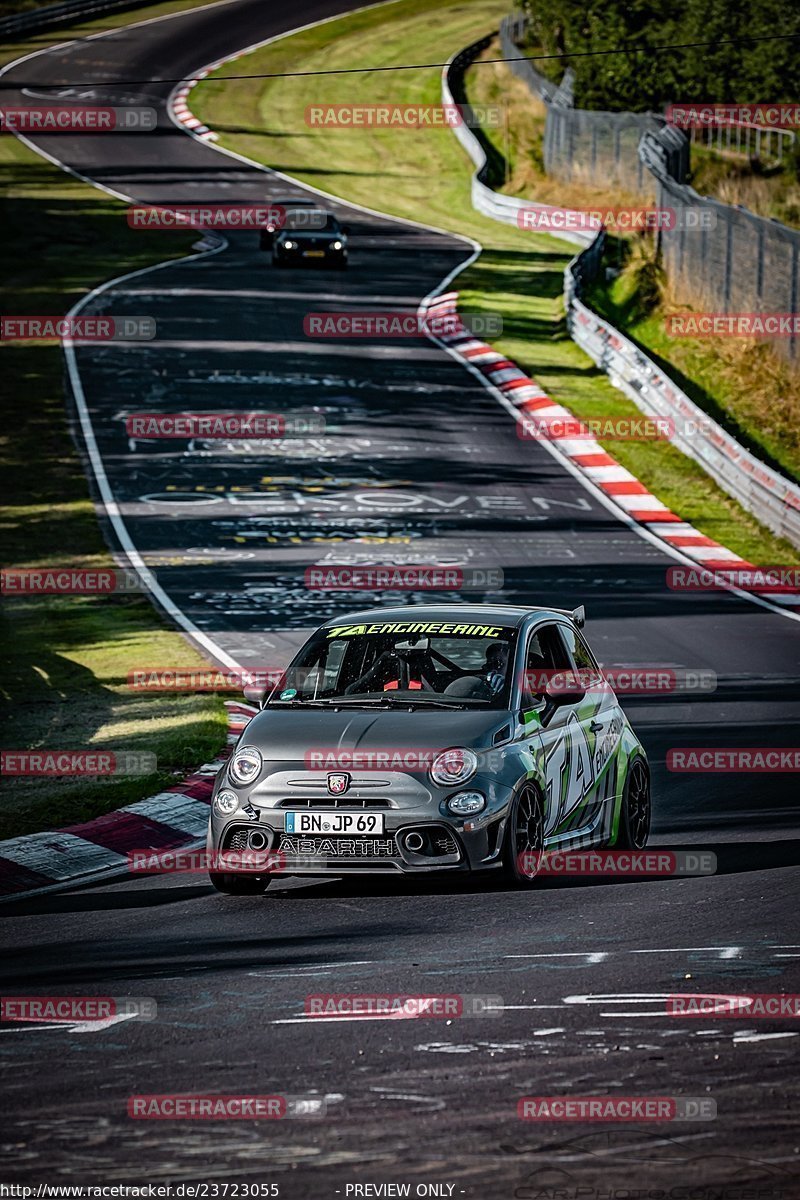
(454, 766)
(289, 245)
(466, 804)
(245, 765)
(336, 245)
(226, 803)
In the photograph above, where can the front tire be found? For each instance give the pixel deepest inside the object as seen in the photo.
(231, 884)
(636, 811)
(523, 844)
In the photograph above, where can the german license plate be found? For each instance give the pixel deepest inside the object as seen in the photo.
(311, 821)
(313, 254)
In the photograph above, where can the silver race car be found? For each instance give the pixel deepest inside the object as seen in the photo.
(414, 739)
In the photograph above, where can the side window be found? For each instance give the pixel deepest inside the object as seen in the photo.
(545, 655)
(584, 659)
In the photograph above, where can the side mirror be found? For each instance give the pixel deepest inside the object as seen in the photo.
(345, 230)
(558, 691)
(254, 693)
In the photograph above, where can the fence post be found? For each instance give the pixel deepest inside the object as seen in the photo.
(728, 259)
(760, 268)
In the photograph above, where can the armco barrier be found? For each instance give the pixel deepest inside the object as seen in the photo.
(491, 204)
(49, 17)
(764, 492)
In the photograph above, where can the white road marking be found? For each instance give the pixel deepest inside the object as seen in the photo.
(592, 956)
(759, 1037)
(71, 1026)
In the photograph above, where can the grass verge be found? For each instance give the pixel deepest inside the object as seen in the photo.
(66, 659)
(425, 176)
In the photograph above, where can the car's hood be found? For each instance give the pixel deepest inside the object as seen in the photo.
(293, 733)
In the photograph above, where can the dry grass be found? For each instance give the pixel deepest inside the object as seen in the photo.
(522, 146)
(773, 193)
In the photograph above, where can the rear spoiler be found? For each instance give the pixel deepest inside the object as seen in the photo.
(576, 615)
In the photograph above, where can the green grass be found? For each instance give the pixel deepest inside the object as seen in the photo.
(425, 176)
(745, 387)
(66, 659)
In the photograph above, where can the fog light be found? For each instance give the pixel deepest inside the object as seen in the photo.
(467, 803)
(226, 803)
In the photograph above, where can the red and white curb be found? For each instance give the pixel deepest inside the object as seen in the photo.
(182, 112)
(179, 100)
(615, 481)
(173, 819)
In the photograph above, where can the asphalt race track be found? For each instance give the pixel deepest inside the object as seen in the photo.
(417, 460)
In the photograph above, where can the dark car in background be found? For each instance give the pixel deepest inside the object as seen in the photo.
(284, 205)
(305, 239)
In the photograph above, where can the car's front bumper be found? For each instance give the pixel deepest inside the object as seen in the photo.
(299, 257)
(407, 805)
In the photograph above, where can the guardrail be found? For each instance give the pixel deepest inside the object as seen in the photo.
(35, 19)
(769, 496)
(491, 204)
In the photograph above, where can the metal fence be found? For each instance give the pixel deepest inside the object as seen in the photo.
(768, 495)
(581, 146)
(599, 148)
(743, 263)
(743, 139)
(52, 15)
(511, 30)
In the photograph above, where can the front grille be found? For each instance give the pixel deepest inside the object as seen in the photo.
(445, 843)
(348, 848)
(332, 802)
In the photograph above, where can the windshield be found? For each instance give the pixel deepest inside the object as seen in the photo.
(421, 663)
